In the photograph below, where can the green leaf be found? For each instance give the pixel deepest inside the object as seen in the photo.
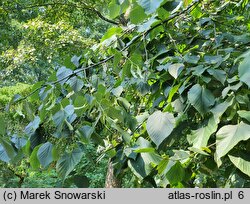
(29, 110)
(32, 126)
(197, 12)
(198, 70)
(124, 103)
(244, 71)
(59, 118)
(76, 60)
(176, 173)
(220, 75)
(213, 59)
(146, 25)
(34, 161)
(150, 6)
(138, 167)
(10, 151)
(3, 155)
(69, 110)
(200, 137)
(68, 162)
(137, 14)
(2, 127)
(55, 153)
(241, 163)
(86, 132)
(44, 154)
(114, 10)
(19, 142)
(187, 2)
(130, 121)
(244, 114)
(159, 126)
(162, 165)
(144, 164)
(162, 13)
(180, 155)
(143, 88)
(219, 109)
(175, 69)
(117, 91)
(76, 84)
(201, 98)
(129, 152)
(36, 86)
(110, 32)
(62, 74)
(64, 116)
(229, 136)
(228, 88)
(192, 59)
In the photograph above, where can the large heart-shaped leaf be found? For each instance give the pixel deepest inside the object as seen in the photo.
(76, 60)
(64, 116)
(193, 59)
(63, 74)
(86, 132)
(201, 98)
(175, 69)
(3, 155)
(159, 126)
(59, 118)
(218, 74)
(176, 173)
(114, 9)
(32, 126)
(76, 84)
(244, 71)
(244, 114)
(213, 59)
(19, 142)
(44, 154)
(150, 6)
(8, 148)
(68, 162)
(138, 167)
(229, 136)
(200, 137)
(137, 14)
(144, 163)
(241, 163)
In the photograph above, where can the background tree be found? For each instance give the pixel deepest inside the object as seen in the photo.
(37, 36)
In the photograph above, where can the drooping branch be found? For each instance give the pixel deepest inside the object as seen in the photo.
(104, 18)
(134, 40)
(54, 4)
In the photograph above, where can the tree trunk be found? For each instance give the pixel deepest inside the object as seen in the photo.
(111, 180)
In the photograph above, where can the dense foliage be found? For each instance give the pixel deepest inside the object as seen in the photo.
(164, 94)
(37, 36)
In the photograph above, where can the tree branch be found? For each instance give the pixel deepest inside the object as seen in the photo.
(85, 7)
(134, 40)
